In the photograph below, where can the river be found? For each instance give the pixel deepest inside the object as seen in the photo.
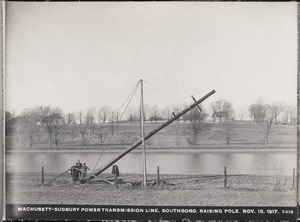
(170, 162)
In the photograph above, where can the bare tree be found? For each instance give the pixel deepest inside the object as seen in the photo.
(51, 119)
(99, 133)
(80, 117)
(155, 114)
(90, 116)
(219, 105)
(103, 113)
(82, 126)
(166, 113)
(277, 108)
(257, 110)
(147, 109)
(221, 108)
(70, 118)
(289, 114)
(28, 124)
(133, 114)
(87, 125)
(227, 110)
(266, 120)
(59, 122)
(242, 113)
(293, 115)
(82, 130)
(113, 121)
(113, 116)
(214, 110)
(226, 129)
(90, 120)
(197, 123)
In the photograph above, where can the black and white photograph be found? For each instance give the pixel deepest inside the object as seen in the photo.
(151, 110)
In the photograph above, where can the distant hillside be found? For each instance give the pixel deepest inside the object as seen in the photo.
(174, 135)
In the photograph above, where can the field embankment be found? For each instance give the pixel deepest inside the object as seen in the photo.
(177, 136)
(197, 190)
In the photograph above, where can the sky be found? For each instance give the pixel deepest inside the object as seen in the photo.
(75, 55)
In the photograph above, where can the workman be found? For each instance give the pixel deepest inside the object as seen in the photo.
(84, 168)
(115, 170)
(79, 166)
(74, 173)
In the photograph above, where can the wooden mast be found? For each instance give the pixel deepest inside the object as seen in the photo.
(149, 135)
(142, 114)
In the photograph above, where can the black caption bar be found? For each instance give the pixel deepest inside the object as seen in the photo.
(129, 212)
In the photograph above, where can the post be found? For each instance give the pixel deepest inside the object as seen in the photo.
(42, 174)
(293, 177)
(143, 137)
(157, 180)
(115, 179)
(225, 177)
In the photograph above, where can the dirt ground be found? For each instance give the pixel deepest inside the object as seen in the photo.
(193, 190)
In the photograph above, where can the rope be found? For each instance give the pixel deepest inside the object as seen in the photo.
(128, 103)
(132, 92)
(161, 90)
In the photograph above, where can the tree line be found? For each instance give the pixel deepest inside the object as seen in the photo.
(102, 122)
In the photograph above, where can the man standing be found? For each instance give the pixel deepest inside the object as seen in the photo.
(85, 168)
(79, 166)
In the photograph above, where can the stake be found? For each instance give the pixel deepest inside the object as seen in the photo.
(225, 177)
(149, 135)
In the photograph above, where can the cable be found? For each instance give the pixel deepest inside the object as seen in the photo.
(161, 91)
(133, 91)
(128, 104)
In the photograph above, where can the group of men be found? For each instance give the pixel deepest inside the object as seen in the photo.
(79, 171)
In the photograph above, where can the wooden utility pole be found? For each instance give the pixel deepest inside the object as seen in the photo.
(199, 109)
(142, 114)
(149, 135)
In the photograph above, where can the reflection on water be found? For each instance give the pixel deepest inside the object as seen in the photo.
(250, 162)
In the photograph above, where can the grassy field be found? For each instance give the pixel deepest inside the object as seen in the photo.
(197, 190)
(175, 135)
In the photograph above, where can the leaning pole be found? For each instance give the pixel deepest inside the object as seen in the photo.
(149, 135)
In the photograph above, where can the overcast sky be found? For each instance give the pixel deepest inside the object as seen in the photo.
(77, 55)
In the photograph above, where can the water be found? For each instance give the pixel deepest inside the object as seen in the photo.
(170, 162)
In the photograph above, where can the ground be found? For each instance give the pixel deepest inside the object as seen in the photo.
(197, 190)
